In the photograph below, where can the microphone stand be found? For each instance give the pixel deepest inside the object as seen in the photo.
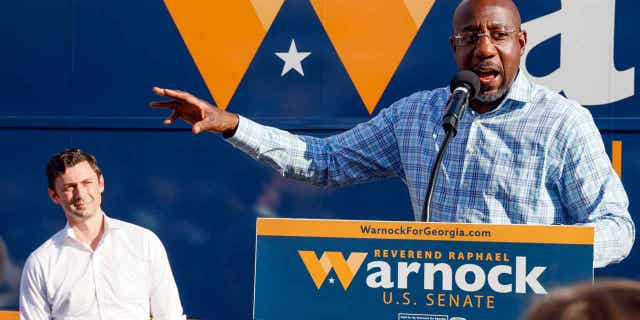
(450, 123)
(426, 211)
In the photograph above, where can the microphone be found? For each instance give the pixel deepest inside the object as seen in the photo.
(464, 87)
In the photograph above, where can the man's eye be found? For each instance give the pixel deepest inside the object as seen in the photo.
(499, 35)
(469, 38)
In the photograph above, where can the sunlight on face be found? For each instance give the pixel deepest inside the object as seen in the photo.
(78, 191)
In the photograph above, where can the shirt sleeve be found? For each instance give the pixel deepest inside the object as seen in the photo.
(33, 298)
(593, 193)
(164, 298)
(367, 152)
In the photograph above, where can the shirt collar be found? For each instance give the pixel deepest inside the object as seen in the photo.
(518, 96)
(521, 89)
(109, 226)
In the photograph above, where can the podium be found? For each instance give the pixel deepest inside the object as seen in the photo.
(338, 269)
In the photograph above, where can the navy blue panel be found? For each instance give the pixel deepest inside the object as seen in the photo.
(122, 49)
(530, 10)
(109, 54)
(35, 73)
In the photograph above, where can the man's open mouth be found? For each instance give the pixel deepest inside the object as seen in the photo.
(487, 75)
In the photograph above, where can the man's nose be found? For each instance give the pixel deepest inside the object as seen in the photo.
(80, 191)
(484, 47)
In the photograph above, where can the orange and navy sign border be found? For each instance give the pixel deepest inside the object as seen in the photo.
(357, 269)
(434, 231)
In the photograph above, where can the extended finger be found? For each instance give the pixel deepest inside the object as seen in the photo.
(176, 94)
(168, 92)
(179, 95)
(159, 91)
(165, 104)
(169, 120)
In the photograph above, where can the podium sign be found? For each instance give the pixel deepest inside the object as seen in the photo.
(336, 269)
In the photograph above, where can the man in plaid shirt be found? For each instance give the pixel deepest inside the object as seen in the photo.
(523, 154)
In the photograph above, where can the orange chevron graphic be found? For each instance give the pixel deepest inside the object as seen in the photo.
(223, 37)
(371, 38)
(319, 268)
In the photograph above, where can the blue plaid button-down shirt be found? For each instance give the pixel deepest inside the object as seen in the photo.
(538, 158)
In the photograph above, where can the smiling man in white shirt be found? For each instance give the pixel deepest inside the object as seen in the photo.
(96, 267)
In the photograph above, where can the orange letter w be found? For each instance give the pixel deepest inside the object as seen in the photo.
(319, 268)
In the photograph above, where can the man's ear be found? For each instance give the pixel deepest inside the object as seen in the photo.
(101, 183)
(452, 43)
(53, 195)
(522, 40)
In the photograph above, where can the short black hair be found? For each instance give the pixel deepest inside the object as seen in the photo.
(67, 158)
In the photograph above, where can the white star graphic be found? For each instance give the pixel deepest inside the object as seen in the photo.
(292, 59)
(332, 280)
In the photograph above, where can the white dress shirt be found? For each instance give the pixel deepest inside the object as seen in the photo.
(127, 277)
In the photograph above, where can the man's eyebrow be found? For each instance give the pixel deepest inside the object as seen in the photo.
(471, 28)
(496, 25)
(81, 181)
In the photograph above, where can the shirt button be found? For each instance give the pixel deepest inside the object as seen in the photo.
(472, 150)
(435, 135)
(466, 186)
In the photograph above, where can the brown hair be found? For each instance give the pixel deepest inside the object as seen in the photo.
(67, 158)
(604, 300)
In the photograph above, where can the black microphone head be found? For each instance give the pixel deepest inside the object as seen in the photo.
(467, 79)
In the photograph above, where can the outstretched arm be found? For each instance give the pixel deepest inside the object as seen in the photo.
(367, 152)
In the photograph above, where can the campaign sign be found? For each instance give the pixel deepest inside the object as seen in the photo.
(335, 269)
